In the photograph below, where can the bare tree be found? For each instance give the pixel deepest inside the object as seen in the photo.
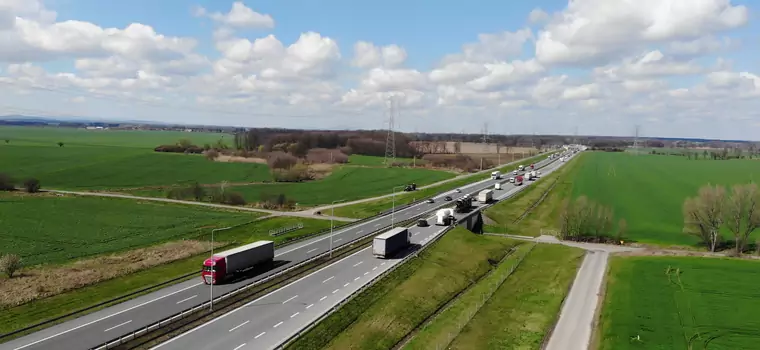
(703, 215)
(9, 264)
(741, 214)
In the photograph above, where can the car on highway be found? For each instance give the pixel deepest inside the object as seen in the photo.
(431, 200)
(512, 180)
(459, 191)
(514, 172)
(447, 198)
(422, 223)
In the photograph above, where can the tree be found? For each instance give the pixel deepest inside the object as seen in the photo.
(742, 216)
(185, 143)
(7, 183)
(32, 185)
(7, 141)
(703, 215)
(60, 144)
(212, 154)
(198, 191)
(9, 264)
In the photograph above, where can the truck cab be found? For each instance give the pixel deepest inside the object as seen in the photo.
(214, 270)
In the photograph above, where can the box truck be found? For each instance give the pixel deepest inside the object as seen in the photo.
(495, 175)
(444, 217)
(485, 196)
(389, 243)
(497, 186)
(221, 266)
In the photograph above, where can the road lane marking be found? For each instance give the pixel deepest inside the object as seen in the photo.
(277, 325)
(416, 233)
(359, 263)
(294, 315)
(382, 264)
(311, 250)
(366, 273)
(323, 298)
(290, 299)
(118, 325)
(376, 225)
(242, 345)
(310, 305)
(338, 240)
(106, 317)
(258, 336)
(328, 279)
(374, 268)
(186, 299)
(335, 291)
(360, 231)
(345, 285)
(357, 278)
(240, 325)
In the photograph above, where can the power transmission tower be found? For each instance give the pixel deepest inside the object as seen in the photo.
(636, 139)
(390, 140)
(485, 138)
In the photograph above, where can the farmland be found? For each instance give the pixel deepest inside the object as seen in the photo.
(649, 190)
(54, 229)
(71, 137)
(680, 303)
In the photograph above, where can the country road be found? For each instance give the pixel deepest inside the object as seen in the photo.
(203, 204)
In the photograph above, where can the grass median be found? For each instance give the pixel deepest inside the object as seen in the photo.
(370, 208)
(385, 313)
(33, 312)
(509, 216)
(524, 309)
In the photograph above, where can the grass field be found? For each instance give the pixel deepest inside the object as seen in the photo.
(711, 304)
(43, 309)
(362, 210)
(382, 315)
(542, 218)
(50, 136)
(358, 159)
(649, 190)
(523, 310)
(53, 229)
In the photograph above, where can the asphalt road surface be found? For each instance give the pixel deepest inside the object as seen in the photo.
(269, 321)
(99, 327)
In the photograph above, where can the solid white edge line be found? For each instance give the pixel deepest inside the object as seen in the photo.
(106, 317)
(238, 326)
(117, 326)
(255, 300)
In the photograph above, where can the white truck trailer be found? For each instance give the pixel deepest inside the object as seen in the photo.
(496, 175)
(389, 243)
(228, 263)
(444, 217)
(485, 196)
(497, 186)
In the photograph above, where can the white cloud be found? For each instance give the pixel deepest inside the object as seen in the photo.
(367, 55)
(650, 64)
(538, 15)
(240, 16)
(590, 31)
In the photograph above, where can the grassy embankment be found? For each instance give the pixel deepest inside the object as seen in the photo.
(551, 190)
(17, 317)
(680, 303)
(649, 190)
(386, 312)
(362, 210)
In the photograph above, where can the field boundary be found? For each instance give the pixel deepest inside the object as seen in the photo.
(453, 300)
(548, 335)
(536, 203)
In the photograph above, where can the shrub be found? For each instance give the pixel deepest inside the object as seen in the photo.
(9, 264)
(32, 185)
(323, 155)
(60, 144)
(281, 160)
(212, 154)
(296, 173)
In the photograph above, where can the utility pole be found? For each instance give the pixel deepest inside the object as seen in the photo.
(390, 141)
(636, 139)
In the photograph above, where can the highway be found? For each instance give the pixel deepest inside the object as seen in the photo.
(267, 322)
(96, 328)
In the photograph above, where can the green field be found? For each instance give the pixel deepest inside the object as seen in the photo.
(50, 136)
(358, 159)
(711, 304)
(385, 313)
(649, 190)
(53, 229)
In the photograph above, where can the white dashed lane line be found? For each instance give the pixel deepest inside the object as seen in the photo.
(359, 263)
(277, 325)
(290, 299)
(240, 325)
(258, 336)
(186, 299)
(328, 279)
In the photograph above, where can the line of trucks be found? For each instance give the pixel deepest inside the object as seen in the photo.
(229, 263)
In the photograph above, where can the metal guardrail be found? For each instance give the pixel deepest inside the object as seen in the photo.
(284, 230)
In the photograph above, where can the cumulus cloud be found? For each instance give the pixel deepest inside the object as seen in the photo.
(367, 55)
(239, 16)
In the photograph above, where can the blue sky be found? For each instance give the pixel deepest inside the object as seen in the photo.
(506, 88)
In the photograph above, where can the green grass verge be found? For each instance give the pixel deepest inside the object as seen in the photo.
(358, 159)
(524, 309)
(44, 228)
(544, 216)
(441, 330)
(649, 190)
(714, 304)
(37, 311)
(370, 208)
(386, 312)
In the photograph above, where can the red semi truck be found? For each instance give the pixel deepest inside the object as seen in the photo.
(518, 181)
(532, 166)
(226, 264)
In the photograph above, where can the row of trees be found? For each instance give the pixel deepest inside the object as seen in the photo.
(586, 221)
(714, 210)
(8, 183)
(212, 194)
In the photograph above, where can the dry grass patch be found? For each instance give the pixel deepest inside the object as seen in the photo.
(237, 159)
(43, 282)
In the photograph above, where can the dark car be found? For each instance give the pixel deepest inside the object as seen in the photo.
(431, 200)
(422, 223)
(447, 198)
